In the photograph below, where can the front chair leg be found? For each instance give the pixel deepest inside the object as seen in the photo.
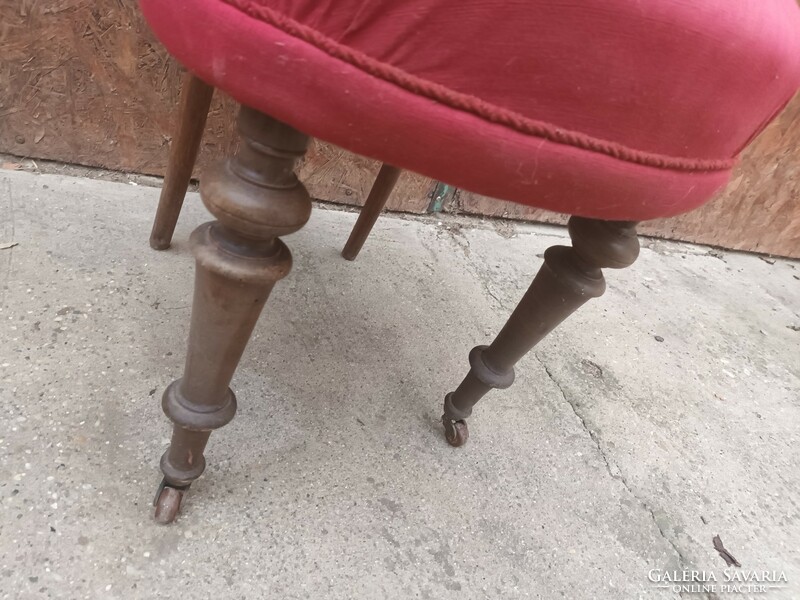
(378, 195)
(569, 277)
(195, 102)
(256, 197)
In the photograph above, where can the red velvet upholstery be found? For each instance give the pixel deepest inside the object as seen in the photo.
(615, 109)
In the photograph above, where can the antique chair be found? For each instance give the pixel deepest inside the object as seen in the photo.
(612, 111)
(196, 97)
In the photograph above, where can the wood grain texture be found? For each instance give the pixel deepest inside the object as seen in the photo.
(86, 82)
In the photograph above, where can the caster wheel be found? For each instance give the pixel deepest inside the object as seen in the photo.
(455, 432)
(168, 502)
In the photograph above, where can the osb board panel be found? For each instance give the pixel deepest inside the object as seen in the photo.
(84, 81)
(758, 211)
(331, 173)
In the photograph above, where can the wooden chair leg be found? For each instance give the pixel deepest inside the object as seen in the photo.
(378, 195)
(569, 277)
(195, 102)
(256, 197)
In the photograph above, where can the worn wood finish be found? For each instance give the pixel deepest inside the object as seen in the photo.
(378, 195)
(569, 277)
(256, 197)
(196, 98)
(195, 101)
(757, 211)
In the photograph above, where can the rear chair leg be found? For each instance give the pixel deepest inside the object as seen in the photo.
(569, 277)
(195, 101)
(378, 195)
(256, 197)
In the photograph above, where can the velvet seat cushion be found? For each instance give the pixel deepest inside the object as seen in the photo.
(614, 109)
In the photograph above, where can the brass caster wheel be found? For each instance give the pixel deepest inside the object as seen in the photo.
(455, 432)
(168, 502)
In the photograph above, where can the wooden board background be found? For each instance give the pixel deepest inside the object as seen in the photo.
(85, 82)
(758, 211)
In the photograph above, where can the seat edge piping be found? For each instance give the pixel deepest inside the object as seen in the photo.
(471, 104)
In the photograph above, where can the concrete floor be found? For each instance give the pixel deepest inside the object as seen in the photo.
(614, 454)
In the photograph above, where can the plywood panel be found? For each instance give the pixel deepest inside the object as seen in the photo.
(758, 211)
(336, 175)
(85, 82)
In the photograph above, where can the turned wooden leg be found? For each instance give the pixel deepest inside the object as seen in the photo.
(378, 195)
(195, 101)
(568, 278)
(256, 197)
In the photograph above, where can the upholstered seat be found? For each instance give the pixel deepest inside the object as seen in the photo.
(612, 111)
(615, 109)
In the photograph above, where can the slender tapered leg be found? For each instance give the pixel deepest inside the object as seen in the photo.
(378, 195)
(256, 197)
(195, 101)
(567, 279)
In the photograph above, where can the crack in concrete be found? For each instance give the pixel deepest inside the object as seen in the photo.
(488, 290)
(455, 236)
(6, 275)
(615, 472)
